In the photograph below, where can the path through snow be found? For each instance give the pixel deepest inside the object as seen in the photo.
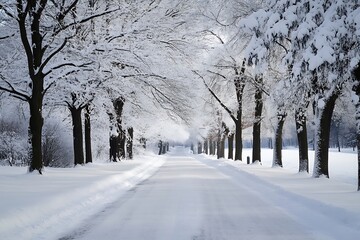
(191, 197)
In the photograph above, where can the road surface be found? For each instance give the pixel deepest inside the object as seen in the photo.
(191, 198)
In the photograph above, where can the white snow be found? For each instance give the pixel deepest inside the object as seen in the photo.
(188, 197)
(42, 207)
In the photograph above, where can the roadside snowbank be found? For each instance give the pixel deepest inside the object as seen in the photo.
(34, 206)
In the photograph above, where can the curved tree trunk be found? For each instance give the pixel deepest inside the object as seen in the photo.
(256, 151)
(277, 157)
(322, 135)
(77, 135)
(87, 126)
(301, 132)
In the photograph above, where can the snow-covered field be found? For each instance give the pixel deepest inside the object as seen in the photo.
(52, 205)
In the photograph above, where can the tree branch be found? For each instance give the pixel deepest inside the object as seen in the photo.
(15, 93)
(217, 98)
(24, 37)
(84, 20)
(47, 88)
(66, 64)
(7, 12)
(282, 46)
(1, 38)
(46, 61)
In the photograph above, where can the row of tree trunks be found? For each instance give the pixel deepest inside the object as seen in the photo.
(164, 147)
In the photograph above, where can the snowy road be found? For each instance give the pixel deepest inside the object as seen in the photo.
(198, 199)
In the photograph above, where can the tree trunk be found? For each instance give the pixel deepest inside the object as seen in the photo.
(77, 135)
(113, 139)
(239, 82)
(211, 149)
(322, 134)
(87, 126)
(277, 157)
(214, 147)
(206, 148)
(35, 125)
(120, 142)
(113, 146)
(256, 151)
(358, 141)
(356, 89)
(222, 147)
(129, 143)
(238, 140)
(230, 145)
(160, 145)
(218, 152)
(199, 148)
(301, 132)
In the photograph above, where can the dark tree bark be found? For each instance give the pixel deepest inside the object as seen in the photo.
(117, 141)
(322, 133)
(113, 145)
(77, 135)
(356, 90)
(87, 126)
(36, 124)
(277, 157)
(206, 148)
(129, 143)
(301, 131)
(239, 87)
(199, 148)
(211, 147)
(230, 145)
(256, 151)
(222, 147)
(160, 145)
(163, 148)
(214, 143)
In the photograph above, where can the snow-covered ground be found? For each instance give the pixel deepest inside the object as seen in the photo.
(34, 206)
(194, 196)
